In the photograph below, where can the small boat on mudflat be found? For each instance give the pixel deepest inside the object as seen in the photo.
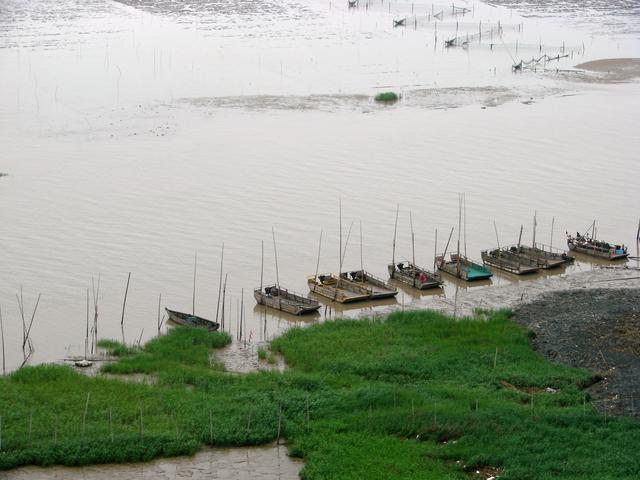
(596, 248)
(417, 277)
(463, 268)
(545, 258)
(377, 287)
(284, 300)
(189, 320)
(337, 289)
(505, 259)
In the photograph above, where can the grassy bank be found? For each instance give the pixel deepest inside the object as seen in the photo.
(417, 395)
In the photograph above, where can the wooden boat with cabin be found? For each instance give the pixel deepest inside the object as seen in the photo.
(462, 267)
(280, 298)
(505, 259)
(189, 320)
(284, 300)
(377, 287)
(596, 248)
(410, 274)
(335, 288)
(407, 272)
(545, 259)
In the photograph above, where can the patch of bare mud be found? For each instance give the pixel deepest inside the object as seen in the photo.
(516, 294)
(427, 98)
(607, 70)
(243, 358)
(597, 329)
(268, 462)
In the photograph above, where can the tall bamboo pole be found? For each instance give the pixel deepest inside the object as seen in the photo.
(220, 282)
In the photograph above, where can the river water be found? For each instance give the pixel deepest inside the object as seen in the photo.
(136, 133)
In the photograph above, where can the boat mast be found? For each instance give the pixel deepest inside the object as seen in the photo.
(261, 264)
(435, 251)
(553, 221)
(340, 253)
(413, 249)
(275, 253)
(361, 261)
(459, 228)
(535, 224)
(193, 297)
(395, 231)
(464, 200)
(318, 262)
(496, 230)
(520, 237)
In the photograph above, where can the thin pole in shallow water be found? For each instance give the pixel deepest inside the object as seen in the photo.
(4, 366)
(193, 297)
(220, 283)
(553, 221)
(124, 302)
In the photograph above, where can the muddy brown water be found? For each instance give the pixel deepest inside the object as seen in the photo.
(269, 462)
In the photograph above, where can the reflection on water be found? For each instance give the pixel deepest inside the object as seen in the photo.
(243, 463)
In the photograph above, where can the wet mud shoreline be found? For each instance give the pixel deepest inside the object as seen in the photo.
(595, 329)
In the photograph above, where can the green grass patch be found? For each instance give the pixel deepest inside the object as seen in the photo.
(403, 398)
(387, 97)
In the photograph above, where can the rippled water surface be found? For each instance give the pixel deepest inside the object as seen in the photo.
(136, 133)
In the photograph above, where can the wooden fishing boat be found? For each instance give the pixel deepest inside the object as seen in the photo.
(545, 259)
(284, 300)
(377, 287)
(463, 268)
(337, 289)
(417, 277)
(189, 320)
(505, 259)
(596, 248)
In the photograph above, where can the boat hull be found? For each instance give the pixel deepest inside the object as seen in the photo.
(411, 277)
(463, 268)
(594, 252)
(188, 320)
(337, 289)
(378, 288)
(544, 258)
(285, 301)
(509, 262)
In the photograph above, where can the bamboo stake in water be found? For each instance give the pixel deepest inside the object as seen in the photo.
(124, 302)
(193, 297)
(4, 365)
(224, 293)
(520, 236)
(159, 321)
(346, 244)
(86, 336)
(553, 221)
(220, 282)
(84, 416)
(435, 251)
